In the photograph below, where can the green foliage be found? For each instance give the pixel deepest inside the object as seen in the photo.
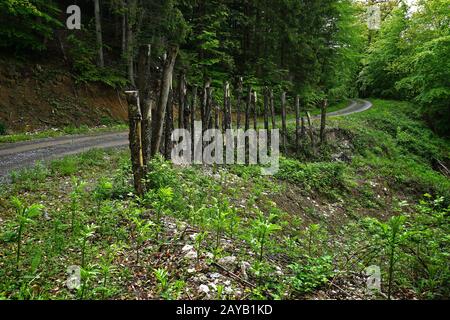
(24, 216)
(418, 240)
(83, 56)
(323, 177)
(27, 23)
(311, 275)
(409, 60)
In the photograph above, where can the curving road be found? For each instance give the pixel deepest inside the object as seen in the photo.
(14, 156)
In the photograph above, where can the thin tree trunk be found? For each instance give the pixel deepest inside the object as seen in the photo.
(145, 98)
(137, 160)
(98, 31)
(311, 132)
(247, 108)
(181, 102)
(168, 127)
(238, 104)
(124, 30)
(272, 109)
(255, 109)
(193, 108)
(297, 121)
(226, 106)
(323, 121)
(283, 121)
(166, 83)
(266, 108)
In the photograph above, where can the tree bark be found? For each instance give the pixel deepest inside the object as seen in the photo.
(168, 127)
(255, 109)
(193, 108)
(166, 83)
(272, 109)
(137, 160)
(145, 98)
(98, 31)
(181, 100)
(323, 121)
(247, 108)
(311, 132)
(283, 121)
(266, 108)
(238, 103)
(297, 121)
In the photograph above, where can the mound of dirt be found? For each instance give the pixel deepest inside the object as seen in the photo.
(37, 96)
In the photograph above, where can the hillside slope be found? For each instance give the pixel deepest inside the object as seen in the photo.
(35, 95)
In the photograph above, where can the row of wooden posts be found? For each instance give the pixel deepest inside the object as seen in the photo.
(151, 127)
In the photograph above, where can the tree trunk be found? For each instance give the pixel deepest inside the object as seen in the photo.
(98, 31)
(247, 108)
(181, 102)
(283, 121)
(255, 109)
(168, 127)
(272, 109)
(137, 160)
(166, 83)
(297, 121)
(193, 108)
(311, 132)
(266, 108)
(323, 121)
(238, 104)
(226, 105)
(145, 98)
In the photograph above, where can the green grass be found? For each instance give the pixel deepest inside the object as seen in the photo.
(60, 132)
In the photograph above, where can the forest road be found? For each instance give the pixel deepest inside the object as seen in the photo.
(14, 156)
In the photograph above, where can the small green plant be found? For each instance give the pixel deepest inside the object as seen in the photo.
(87, 232)
(262, 229)
(76, 195)
(162, 276)
(24, 216)
(141, 232)
(312, 274)
(198, 241)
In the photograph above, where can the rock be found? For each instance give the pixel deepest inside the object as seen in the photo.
(244, 267)
(187, 247)
(227, 260)
(191, 255)
(203, 288)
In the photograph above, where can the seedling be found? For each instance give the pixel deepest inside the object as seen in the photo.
(25, 217)
(263, 228)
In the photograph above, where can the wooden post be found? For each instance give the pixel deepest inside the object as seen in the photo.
(238, 103)
(255, 109)
(168, 126)
(137, 160)
(247, 108)
(145, 98)
(193, 108)
(283, 121)
(266, 108)
(297, 121)
(323, 121)
(226, 98)
(272, 109)
(311, 132)
(158, 121)
(181, 93)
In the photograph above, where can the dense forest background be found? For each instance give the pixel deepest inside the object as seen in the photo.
(317, 49)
